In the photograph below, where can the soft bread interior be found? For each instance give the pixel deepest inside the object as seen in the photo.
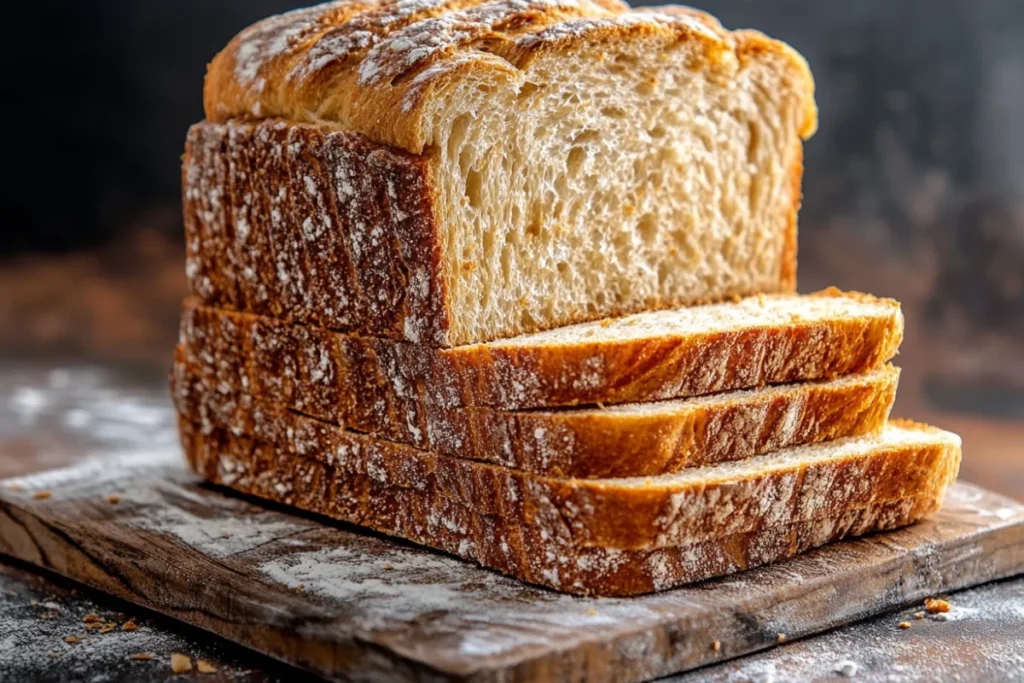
(609, 179)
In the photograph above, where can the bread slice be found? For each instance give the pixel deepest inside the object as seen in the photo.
(581, 536)
(453, 171)
(378, 386)
(629, 513)
(637, 439)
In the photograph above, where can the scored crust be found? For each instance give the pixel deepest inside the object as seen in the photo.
(632, 440)
(381, 67)
(426, 514)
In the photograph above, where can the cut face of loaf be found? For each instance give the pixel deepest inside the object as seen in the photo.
(708, 522)
(637, 439)
(371, 383)
(499, 167)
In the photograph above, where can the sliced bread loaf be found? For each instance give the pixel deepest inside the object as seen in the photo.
(449, 172)
(370, 383)
(718, 520)
(629, 513)
(636, 439)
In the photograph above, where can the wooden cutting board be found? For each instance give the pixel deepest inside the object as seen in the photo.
(349, 604)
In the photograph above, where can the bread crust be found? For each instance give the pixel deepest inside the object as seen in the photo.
(377, 67)
(581, 443)
(429, 514)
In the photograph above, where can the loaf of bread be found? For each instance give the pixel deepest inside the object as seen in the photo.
(617, 537)
(636, 439)
(450, 172)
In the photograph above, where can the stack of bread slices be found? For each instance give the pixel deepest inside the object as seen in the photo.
(515, 280)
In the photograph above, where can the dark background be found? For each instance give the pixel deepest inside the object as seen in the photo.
(913, 184)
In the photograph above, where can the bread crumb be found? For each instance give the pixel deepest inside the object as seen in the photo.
(904, 625)
(180, 663)
(107, 628)
(91, 619)
(781, 638)
(94, 625)
(204, 667)
(919, 615)
(142, 657)
(42, 495)
(936, 605)
(72, 639)
(129, 625)
(388, 566)
(113, 500)
(592, 612)
(716, 646)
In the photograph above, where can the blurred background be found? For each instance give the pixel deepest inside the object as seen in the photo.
(914, 185)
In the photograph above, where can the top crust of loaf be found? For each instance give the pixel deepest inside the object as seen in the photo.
(381, 67)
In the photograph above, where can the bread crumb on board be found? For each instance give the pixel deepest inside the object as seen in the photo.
(141, 657)
(904, 625)
(716, 646)
(180, 663)
(129, 625)
(936, 605)
(781, 638)
(113, 500)
(91, 619)
(72, 639)
(204, 667)
(42, 495)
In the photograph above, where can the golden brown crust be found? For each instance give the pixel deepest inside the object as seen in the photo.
(538, 547)
(594, 443)
(372, 67)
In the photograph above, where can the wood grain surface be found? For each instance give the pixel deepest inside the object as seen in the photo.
(344, 603)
